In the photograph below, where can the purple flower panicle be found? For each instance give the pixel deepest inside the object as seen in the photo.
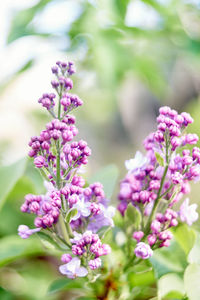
(162, 175)
(59, 158)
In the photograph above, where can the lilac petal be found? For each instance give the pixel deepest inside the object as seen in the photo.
(77, 237)
(63, 269)
(24, 231)
(85, 212)
(137, 162)
(81, 272)
(49, 186)
(32, 231)
(23, 228)
(23, 235)
(73, 265)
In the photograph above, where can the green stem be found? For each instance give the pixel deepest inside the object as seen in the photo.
(131, 261)
(43, 174)
(156, 201)
(69, 231)
(64, 230)
(159, 191)
(58, 165)
(167, 191)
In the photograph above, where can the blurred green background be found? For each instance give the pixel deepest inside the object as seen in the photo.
(131, 57)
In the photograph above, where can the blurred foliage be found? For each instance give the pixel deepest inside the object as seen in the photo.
(113, 48)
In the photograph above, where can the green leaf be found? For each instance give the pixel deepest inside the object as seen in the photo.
(191, 281)
(103, 230)
(132, 216)
(20, 24)
(14, 247)
(6, 295)
(171, 286)
(194, 254)
(108, 177)
(9, 176)
(159, 159)
(49, 243)
(169, 260)
(86, 298)
(185, 236)
(66, 284)
(121, 7)
(141, 279)
(71, 213)
(35, 177)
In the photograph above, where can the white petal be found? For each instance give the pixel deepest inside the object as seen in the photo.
(81, 272)
(63, 269)
(85, 212)
(73, 265)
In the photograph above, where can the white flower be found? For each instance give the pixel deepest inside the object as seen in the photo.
(83, 209)
(73, 269)
(108, 214)
(24, 231)
(77, 237)
(49, 186)
(136, 163)
(188, 212)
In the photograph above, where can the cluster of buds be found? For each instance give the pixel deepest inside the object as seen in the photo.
(87, 245)
(45, 207)
(158, 180)
(70, 212)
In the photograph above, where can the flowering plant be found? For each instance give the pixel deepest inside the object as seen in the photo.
(77, 217)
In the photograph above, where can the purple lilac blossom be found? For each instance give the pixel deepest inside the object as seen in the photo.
(60, 159)
(188, 212)
(82, 207)
(73, 269)
(144, 187)
(24, 231)
(136, 163)
(103, 218)
(94, 263)
(143, 250)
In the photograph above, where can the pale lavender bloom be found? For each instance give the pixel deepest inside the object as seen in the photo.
(108, 213)
(49, 186)
(77, 237)
(24, 231)
(73, 269)
(83, 209)
(104, 218)
(143, 250)
(136, 163)
(148, 208)
(188, 212)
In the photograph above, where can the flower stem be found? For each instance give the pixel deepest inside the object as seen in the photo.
(58, 165)
(64, 230)
(160, 189)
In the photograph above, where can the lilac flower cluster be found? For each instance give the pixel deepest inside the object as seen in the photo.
(158, 180)
(45, 207)
(71, 212)
(86, 244)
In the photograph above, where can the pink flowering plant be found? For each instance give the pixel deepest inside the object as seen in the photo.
(110, 249)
